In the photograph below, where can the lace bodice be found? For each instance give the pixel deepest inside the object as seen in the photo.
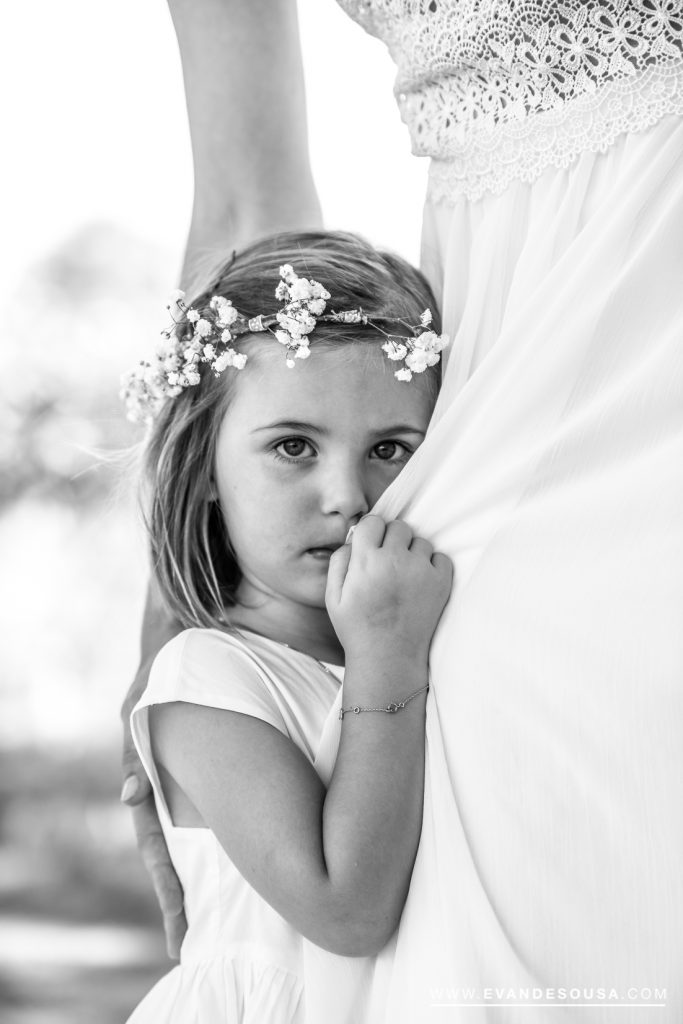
(495, 90)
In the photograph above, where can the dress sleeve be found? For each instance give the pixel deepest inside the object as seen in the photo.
(202, 666)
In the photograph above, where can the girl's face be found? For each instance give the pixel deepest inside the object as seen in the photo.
(302, 454)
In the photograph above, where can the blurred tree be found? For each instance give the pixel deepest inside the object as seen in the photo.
(77, 321)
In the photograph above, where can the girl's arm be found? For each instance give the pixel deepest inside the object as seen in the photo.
(246, 104)
(335, 864)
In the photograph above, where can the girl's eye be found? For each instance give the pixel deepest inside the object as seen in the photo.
(391, 451)
(294, 448)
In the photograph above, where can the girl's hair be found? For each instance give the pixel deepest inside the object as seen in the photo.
(191, 554)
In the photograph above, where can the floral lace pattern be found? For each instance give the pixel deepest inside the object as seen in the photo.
(495, 90)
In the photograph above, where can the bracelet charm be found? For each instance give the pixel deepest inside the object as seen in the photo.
(390, 708)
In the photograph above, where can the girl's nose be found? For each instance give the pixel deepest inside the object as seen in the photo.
(344, 491)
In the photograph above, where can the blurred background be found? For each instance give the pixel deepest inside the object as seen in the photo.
(94, 209)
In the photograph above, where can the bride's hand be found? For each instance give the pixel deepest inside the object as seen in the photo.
(157, 629)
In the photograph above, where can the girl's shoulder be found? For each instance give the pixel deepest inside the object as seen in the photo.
(216, 669)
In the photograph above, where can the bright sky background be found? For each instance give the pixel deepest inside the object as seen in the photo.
(95, 128)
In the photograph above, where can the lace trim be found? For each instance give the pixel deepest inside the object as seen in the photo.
(491, 159)
(488, 82)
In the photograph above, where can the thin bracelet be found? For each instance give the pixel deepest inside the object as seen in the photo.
(390, 708)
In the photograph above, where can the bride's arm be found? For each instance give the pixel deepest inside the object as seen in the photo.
(244, 88)
(245, 97)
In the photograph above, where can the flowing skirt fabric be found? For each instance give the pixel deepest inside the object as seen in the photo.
(551, 856)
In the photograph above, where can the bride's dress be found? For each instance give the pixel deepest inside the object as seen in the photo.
(551, 855)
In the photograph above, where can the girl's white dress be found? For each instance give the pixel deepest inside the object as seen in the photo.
(550, 868)
(241, 962)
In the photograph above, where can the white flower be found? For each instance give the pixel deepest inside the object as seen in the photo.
(287, 274)
(305, 321)
(203, 328)
(283, 337)
(192, 377)
(291, 325)
(318, 291)
(317, 306)
(227, 316)
(303, 352)
(403, 374)
(417, 360)
(192, 316)
(426, 318)
(394, 350)
(221, 363)
(229, 358)
(173, 378)
(301, 290)
(226, 337)
(428, 341)
(282, 291)
(209, 351)
(290, 364)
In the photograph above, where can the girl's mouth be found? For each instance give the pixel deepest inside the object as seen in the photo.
(323, 554)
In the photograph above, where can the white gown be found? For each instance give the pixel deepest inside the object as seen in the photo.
(240, 962)
(550, 868)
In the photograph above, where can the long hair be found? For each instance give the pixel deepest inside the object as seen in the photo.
(190, 549)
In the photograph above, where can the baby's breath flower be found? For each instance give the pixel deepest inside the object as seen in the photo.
(192, 316)
(417, 360)
(395, 350)
(403, 374)
(317, 307)
(301, 290)
(209, 352)
(203, 328)
(426, 318)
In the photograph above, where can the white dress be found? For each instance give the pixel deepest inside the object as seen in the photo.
(241, 962)
(550, 868)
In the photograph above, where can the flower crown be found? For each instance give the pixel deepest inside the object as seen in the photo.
(208, 337)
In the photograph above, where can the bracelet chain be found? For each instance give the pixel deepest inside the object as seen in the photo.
(390, 708)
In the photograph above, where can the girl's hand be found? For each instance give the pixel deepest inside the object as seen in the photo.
(386, 591)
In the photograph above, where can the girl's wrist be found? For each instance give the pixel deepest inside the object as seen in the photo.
(383, 680)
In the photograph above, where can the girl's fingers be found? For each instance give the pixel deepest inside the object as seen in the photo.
(336, 574)
(443, 564)
(420, 546)
(368, 533)
(398, 534)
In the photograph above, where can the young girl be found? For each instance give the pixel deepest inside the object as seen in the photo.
(285, 401)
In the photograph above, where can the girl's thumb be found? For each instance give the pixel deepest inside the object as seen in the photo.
(336, 574)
